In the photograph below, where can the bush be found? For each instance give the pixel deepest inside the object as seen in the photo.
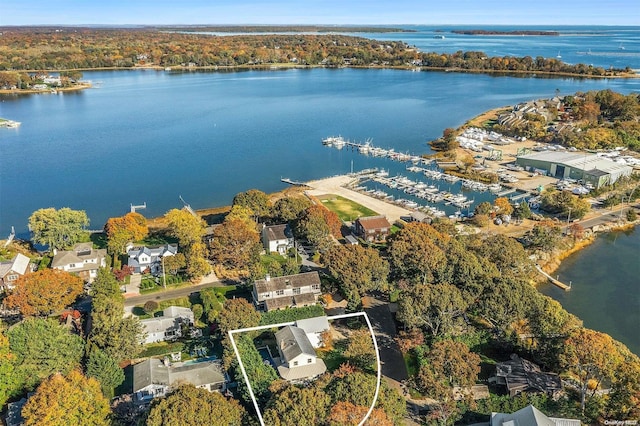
(197, 311)
(632, 215)
(291, 314)
(150, 306)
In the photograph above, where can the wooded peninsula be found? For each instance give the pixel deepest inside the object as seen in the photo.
(56, 49)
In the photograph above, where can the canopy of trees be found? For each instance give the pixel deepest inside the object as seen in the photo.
(189, 230)
(58, 229)
(45, 291)
(122, 230)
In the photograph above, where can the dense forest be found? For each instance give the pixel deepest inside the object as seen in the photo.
(84, 48)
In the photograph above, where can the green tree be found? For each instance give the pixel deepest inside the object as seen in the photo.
(415, 252)
(360, 350)
(260, 374)
(545, 235)
(238, 313)
(432, 307)
(504, 301)
(187, 405)
(506, 254)
(522, 211)
(288, 209)
(295, 406)
(197, 311)
(43, 347)
(105, 370)
(58, 229)
(9, 382)
(189, 230)
(454, 362)
(44, 292)
(358, 269)
(67, 400)
(255, 200)
(116, 335)
(174, 263)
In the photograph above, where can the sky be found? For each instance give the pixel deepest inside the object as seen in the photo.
(340, 12)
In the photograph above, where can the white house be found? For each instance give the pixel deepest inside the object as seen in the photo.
(299, 361)
(529, 416)
(11, 270)
(154, 378)
(168, 326)
(313, 328)
(143, 258)
(277, 238)
(287, 291)
(83, 260)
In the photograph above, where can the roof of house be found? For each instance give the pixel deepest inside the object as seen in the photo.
(521, 374)
(170, 318)
(280, 283)
(313, 325)
(164, 250)
(579, 160)
(277, 232)
(288, 301)
(79, 253)
(529, 416)
(374, 222)
(154, 371)
(177, 311)
(293, 342)
(304, 371)
(19, 264)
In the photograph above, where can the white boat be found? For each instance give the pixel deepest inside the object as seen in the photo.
(364, 149)
(559, 56)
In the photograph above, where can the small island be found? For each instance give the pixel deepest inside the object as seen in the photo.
(509, 33)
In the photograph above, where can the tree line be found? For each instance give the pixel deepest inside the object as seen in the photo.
(84, 48)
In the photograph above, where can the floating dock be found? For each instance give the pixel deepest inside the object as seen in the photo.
(552, 280)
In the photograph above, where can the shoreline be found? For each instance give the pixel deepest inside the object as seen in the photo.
(280, 66)
(52, 90)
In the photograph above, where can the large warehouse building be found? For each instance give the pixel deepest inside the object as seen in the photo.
(590, 168)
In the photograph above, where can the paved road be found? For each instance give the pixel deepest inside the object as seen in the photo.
(206, 282)
(606, 216)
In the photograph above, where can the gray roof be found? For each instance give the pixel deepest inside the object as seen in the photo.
(313, 325)
(278, 232)
(164, 250)
(529, 416)
(305, 371)
(293, 341)
(154, 371)
(579, 160)
(79, 253)
(19, 264)
(522, 375)
(281, 283)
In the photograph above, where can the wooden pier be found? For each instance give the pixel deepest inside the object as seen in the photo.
(554, 281)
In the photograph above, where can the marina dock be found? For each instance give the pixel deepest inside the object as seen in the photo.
(554, 281)
(292, 182)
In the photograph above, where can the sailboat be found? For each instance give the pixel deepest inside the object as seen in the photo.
(621, 47)
(559, 56)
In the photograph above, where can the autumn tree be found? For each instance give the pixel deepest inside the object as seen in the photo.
(238, 313)
(125, 229)
(545, 235)
(415, 252)
(67, 400)
(189, 230)
(58, 229)
(174, 263)
(358, 269)
(317, 223)
(505, 253)
(360, 350)
(236, 244)
(409, 339)
(187, 405)
(118, 336)
(348, 414)
(624, 399)
(105, 369)
(43, 347)
(590, 357)
(503, 206)
(256, 200)
(44, 292)
(504, 301)
(454, 362)
(287, 209)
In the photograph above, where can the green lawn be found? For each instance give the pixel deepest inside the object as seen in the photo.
(346, 210)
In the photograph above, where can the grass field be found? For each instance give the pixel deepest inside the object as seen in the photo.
(346, 210)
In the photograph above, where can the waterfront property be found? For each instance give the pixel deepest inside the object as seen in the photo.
(297, 290)
(154, 377)
(298, 357)
(372, 228)
(277, 238)
(11, 270)
(520, 375)
(168, 326)
(590, 168)
(143, 258)
(83, 260)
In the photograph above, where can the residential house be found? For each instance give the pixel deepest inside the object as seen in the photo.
(143, 259)
(14, 412)
(313, 328)
(168, 326)
(154, 377)
(299, 361)
(13, 269)
(520, 375)
(372, 228)
(277, 238)
(529, 416)
(83, 260)
(287, 291)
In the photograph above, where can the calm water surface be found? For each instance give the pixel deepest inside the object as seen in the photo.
(605, 290)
